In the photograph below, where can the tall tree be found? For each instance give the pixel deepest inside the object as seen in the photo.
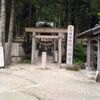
(2, 21)
(10, 35)
(95, 5)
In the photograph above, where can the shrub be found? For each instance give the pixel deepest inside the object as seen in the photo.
(79, 52)
(79, 63)
(79, 55)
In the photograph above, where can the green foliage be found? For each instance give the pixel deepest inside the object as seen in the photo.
(79, 55)
(95, 5)
(79, 63)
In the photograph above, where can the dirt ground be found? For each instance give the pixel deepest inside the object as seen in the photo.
(52, 83)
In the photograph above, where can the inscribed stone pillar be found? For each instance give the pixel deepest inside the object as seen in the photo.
(33, 49)
(88, 67)
(59, 49)
(98, 54)
(70, 42)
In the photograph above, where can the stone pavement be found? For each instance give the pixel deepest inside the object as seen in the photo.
(29, 81)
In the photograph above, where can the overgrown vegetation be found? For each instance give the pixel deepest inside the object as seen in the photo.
(79, 55)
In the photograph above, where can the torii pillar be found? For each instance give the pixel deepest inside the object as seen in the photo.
(59, 49)
(98, 54)
(33, 48)
(88, 66)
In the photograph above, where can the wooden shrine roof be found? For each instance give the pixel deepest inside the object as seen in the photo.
(91, 32)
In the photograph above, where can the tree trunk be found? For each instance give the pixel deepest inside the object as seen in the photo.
(76, 17)
(30, 14)
(10, 36)
(69, 12)
(76, 24)
(69, 18)
(59, 19)
(2, 22)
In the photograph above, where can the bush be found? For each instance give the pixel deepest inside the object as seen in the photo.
(79, 55)
(79, 52)
(79, 63)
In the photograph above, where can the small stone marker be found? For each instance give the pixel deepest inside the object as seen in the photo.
(44, 59)
(1, 57)
(97, 76)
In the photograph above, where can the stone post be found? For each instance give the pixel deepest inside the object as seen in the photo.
(59, 49)
(92, 56)
(88, 66)
(55, 53)
(33, 49)
(54, 46)
(44, 59)
(98, 54)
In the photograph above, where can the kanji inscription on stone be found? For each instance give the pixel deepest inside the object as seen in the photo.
(70, 38)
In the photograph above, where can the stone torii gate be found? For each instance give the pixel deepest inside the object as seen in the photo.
(58, 34)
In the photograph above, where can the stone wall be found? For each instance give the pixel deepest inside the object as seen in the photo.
(17, 52)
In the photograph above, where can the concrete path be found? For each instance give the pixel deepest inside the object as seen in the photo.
(49, 84)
